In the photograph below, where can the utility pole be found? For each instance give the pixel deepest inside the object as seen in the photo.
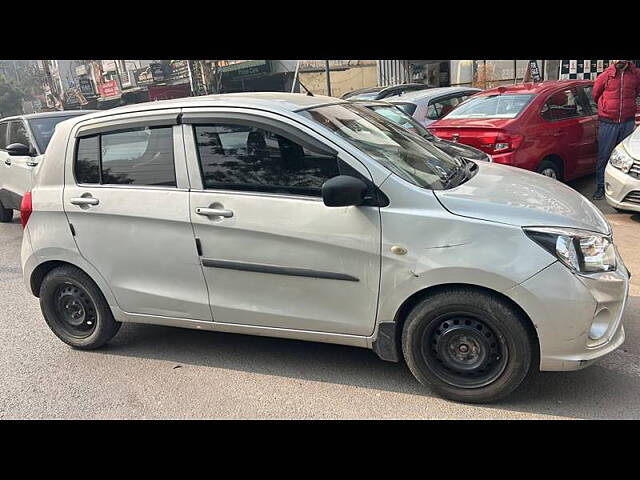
(327, 70)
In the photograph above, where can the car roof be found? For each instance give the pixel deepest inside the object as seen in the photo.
(535, 88)
(427, 94)
(58, 113)
(273, 101)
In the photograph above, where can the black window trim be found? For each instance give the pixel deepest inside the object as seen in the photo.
(129, 127)
(6, 135)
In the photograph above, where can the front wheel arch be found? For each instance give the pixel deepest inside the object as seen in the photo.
(388, 344)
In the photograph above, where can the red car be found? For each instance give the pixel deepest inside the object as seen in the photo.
(548, 127)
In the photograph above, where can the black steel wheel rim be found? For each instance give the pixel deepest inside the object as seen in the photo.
(75, 310)
(464, 350)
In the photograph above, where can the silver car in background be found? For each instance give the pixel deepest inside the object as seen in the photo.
(311, 218)
(622, 175)
(427, 106)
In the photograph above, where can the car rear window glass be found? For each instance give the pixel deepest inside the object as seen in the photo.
(408, 108)
(87, 167)
(561, 105)
(492, 106)
(239, 157)
(140, 156)
(400, 118)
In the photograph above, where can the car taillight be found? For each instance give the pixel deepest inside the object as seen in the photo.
(26, 207)
(502, 143)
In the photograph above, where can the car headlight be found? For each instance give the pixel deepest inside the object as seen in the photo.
(621, 159)
(580, 250)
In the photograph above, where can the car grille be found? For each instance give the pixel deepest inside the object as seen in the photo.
(635, 169)
(633, 197)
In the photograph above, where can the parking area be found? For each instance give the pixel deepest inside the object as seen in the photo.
(160, 372)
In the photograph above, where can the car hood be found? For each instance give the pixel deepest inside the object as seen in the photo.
(505, 194)
(632, 144)
(460, 150)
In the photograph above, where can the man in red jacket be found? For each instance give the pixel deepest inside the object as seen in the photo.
(615, 91)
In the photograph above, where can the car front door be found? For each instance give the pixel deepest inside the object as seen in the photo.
(127, 199)
(18, 177)
(272, 253)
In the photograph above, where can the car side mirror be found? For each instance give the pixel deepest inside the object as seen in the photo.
(18, 150)
(343, 191)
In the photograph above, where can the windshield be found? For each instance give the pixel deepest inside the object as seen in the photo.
(491, 106)
(405, 154)
(42, 128)
(400, 118)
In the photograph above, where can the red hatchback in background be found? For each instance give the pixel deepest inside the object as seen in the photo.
(547, 127)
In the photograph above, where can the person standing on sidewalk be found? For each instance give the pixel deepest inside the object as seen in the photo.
(615, 92)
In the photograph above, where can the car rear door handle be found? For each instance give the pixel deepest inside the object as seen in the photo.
(7, 161)
(84, 201)
(214, 212)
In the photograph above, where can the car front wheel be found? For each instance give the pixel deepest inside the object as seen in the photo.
(467, 345)
(75, 309)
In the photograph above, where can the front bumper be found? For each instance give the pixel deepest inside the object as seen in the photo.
(617, 185)
(568, 309)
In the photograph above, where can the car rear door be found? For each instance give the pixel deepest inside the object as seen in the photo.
(127, 200)
(568, 131)
(272, 253)
(591, 128)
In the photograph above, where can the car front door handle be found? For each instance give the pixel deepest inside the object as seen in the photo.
(84, 201)
(214, 212)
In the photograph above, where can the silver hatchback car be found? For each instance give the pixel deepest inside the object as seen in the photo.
(314, 218)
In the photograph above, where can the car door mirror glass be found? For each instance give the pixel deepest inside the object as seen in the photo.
(18, 150)
(343, 191)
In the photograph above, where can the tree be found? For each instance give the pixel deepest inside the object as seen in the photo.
(10, 99)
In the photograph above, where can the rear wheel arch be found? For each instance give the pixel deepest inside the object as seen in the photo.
(557, 161)
(388, 344)
(41, 271)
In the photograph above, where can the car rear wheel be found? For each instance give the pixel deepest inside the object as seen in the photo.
(549, 169)
(467, 345)
(75, 309)
(6, 214)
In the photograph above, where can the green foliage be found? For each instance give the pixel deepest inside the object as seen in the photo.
(10, 99)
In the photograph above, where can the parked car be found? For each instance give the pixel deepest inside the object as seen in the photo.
(294, 216)
(378, 93)
(23, 140)
(547, 127)
(399, 117)
(427, 106)
(622, 175)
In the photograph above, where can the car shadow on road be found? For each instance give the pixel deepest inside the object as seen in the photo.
(595, 392)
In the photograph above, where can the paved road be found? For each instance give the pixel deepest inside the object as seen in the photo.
(159, 372)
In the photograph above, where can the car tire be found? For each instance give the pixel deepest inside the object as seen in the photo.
(6, 214)
(550, 169)
(75, 309)
(468, 345)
